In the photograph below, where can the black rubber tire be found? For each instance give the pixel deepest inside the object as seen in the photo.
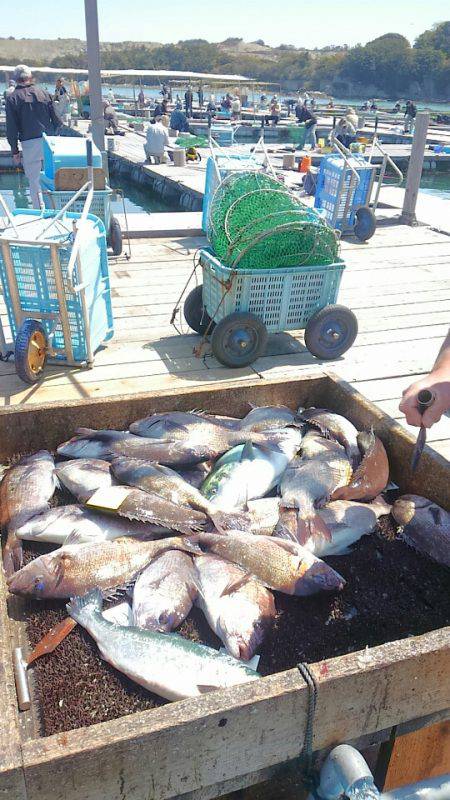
(330, 332)
(115, 236)
(24, 369)
(239, 339)
(195, 313)
(365, 224)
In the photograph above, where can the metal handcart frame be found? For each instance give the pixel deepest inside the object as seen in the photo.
(32, 337)
(349, 208)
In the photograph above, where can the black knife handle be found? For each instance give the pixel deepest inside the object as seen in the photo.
(425, 399)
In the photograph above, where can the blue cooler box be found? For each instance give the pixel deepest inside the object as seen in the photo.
(67, 152)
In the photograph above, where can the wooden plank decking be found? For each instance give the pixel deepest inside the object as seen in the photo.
(398, 284)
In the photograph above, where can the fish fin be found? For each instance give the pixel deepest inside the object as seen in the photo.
(52, 639)
(86, 432)
(248, 452)
(74, 537)
(312, 527)
(204, 688)
(286, 527)
(235, 584)
(226, 521)
(286, 544)
(12, 554)
(77, 604)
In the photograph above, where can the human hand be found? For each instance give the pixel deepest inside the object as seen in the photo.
(17, 157)
(439, 384)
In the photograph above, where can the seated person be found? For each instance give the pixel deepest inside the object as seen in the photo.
(111, 119)
(179, 120)
(157, 139)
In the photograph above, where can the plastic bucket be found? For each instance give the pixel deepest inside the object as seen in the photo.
(305, 164)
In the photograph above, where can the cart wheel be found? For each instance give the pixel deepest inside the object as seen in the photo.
(239, 339)
(365, 223)
(195, 313)
(331, 331)
(30, 352)
(115, 236)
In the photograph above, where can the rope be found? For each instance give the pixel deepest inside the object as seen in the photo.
(309, 775)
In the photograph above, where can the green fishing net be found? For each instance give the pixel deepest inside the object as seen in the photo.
(255, 222)
(192, 141)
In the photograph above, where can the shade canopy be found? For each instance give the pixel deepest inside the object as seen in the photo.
(139, 73)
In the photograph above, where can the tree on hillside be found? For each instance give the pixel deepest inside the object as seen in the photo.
(438, 38)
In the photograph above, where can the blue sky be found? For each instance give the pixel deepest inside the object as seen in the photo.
(306, 24)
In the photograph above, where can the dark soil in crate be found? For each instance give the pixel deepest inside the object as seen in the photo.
(392, 592)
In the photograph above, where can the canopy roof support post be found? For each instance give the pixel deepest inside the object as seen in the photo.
(408, 215)
(95, 81)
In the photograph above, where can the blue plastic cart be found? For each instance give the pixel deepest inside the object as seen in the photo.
(344, 190)
(239, 308)
(55, 281)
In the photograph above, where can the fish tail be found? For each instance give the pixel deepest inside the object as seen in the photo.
(80, 608)
(310, 528)
(287, 525)
(224, 521)
(12, 555)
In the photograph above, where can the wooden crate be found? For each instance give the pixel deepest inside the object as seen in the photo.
(232, 738)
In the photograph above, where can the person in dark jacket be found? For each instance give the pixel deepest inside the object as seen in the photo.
(410, 116)
(188, 101)
(303, 114)
(29, 114)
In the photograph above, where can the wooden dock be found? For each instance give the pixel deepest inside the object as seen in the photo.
(398, 284)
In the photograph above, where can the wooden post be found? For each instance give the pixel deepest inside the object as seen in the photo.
(408, 215)
(95, 81)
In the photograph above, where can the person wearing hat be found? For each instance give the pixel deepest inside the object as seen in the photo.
(157, 139)
(29, 114)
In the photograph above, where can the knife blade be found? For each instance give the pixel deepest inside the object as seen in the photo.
(425, 399)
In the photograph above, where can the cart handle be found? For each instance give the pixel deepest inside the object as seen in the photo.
(9, 215)
(345, 154)
(376, 143)
(79, 225)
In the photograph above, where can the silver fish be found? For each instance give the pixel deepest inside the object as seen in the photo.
(310, 480)
(76, 524)
(335, 427)
(259, 470)
(202, 440)
(83, 476)
(26, 489)
(165, 482)
(176, 423)
(240, 618)
(346, 521)
(425, 526)
(120, 614)
(279, 564)
(76, 569)
(164, 592)
(166, 664)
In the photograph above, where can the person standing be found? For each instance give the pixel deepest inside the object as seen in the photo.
(410, 116)
(29, 114)
(141, 98)
(236, 108)
(62, 101)
(303, 114)
(188, 100)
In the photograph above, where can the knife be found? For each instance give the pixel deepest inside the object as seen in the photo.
(425, 399)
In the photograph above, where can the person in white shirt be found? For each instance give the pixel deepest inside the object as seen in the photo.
(157, 139)
(235, 108)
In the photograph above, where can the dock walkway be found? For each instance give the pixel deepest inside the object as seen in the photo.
(398, 284)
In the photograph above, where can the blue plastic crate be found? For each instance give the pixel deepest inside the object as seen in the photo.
(223, 134)
(284, 299)
(36, 286)
(67, 152)
(226, 165)
(338, 194)
(100, 206)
